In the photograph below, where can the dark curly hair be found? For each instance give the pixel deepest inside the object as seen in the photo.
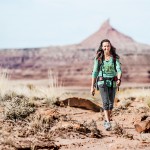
(100, 52)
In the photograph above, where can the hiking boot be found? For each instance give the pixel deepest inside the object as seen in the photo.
(107, 125)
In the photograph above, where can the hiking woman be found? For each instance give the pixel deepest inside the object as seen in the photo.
(107, 74)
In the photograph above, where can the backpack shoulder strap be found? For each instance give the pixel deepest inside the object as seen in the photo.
(114, 60)
(100, 62)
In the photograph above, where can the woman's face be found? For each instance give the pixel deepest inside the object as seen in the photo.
(106, 47)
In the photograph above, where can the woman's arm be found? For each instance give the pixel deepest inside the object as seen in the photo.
(94, 75)
(119, 75)
(92, 86)
(119, 79)
(95, 69)
(119, 72)
(93, 82)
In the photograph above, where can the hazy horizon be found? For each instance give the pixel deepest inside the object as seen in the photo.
(41, 23)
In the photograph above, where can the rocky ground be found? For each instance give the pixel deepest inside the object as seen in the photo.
(71, 124)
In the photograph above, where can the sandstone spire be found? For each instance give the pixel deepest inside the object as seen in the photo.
(119, 40)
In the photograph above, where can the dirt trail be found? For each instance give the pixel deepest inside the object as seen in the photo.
(126, 139)
(72, 128)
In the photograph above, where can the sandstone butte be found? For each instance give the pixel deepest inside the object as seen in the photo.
(73, 63)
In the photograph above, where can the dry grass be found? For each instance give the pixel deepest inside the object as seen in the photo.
(51, 92)
(148, 101)
(19, 100)
(4, 82)
(141, 94)
(137, 93)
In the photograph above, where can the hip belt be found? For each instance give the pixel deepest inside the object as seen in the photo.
(100, 78)
(106, 78)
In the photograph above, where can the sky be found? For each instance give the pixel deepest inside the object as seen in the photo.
(42, 23)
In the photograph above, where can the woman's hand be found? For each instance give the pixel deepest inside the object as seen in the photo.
(93, 90)
(118, 82)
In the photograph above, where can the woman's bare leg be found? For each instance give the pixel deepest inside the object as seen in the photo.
(106, 112)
